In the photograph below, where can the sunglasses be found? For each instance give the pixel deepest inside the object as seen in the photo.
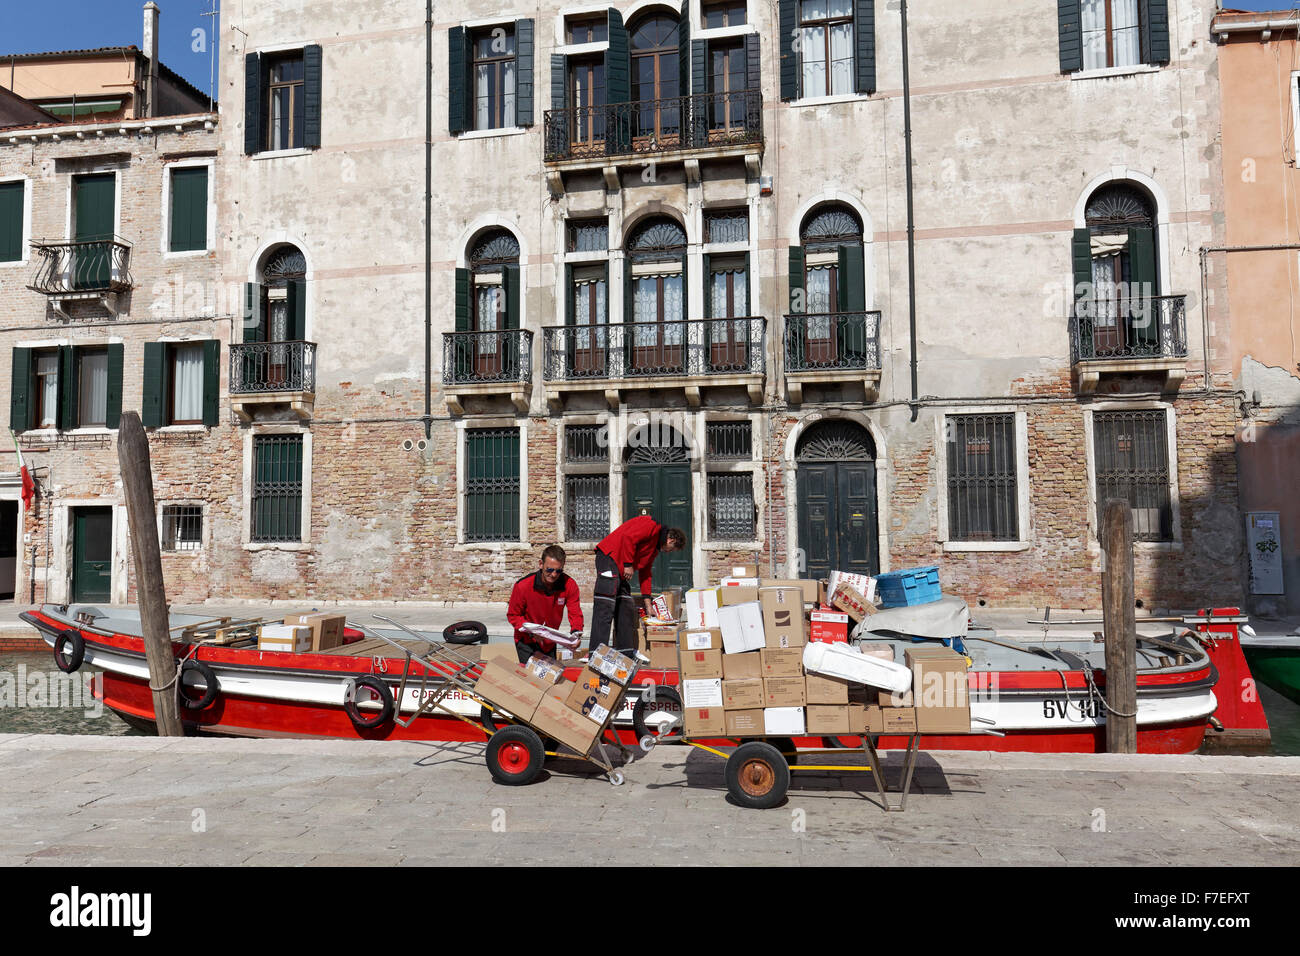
(552, 570)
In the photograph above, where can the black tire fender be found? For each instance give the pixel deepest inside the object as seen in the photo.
(386, 705)
(210, 686)
(465, 632)
(70, 661)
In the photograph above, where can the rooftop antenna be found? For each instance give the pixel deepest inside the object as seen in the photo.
(212, 51)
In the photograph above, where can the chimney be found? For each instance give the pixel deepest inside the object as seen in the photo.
(151, 51)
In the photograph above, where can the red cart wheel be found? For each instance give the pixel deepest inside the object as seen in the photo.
(515, 755)
(757, 775)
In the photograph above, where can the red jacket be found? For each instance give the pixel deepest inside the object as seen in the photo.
(635, 542)
(531, 602)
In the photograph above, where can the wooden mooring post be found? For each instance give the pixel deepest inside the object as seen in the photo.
(142, 517)
(1120, 626)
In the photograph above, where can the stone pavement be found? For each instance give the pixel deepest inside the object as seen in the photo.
(86, 801)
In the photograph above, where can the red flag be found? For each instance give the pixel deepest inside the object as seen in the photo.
(29, 489)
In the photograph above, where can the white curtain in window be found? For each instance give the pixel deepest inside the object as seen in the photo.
(645, 310)
(508, 92)
(482, 96)
(674, 309)
(842, 58)
(47, 370)
(1093, 17)
(582, 316)
(1103, 289)
(812, 46)
(92, 406)
(187, 387)
(817, 295)
(718, 296)
(488, 298)
(1124, 32)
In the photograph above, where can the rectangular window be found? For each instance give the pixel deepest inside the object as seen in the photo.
(92, 388)
(277, 489)
(731, 506)
(726, 225)
(492, 484)
(586, 444)
(189, 209)
(727, 13)
(588, 235)
(1132, 464)
(185, 396)
(11, 221)
(182, 528)
(1110, 33)
(589, 30)
(46, 389)
(729, 441)
(287, 103)
(494, 78)
(587, 497)
(982, 497)
(826, 47)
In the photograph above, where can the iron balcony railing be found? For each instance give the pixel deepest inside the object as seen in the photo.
(272, 367)
(694, 347)
(817, 341)
(1133, 327)
(66, 268)
(701, 121)
(474, 358)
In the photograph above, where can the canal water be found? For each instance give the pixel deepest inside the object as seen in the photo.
(37, 698)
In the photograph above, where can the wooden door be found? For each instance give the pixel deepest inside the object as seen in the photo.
(664, 492)
(837, 518)
(92, 555)
(94, 212)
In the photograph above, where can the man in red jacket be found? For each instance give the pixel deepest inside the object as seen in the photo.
(632, 546)
(540, 598)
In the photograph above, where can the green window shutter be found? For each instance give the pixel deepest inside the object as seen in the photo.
(749, 290)
(510, 278)
(153, 396)
(211, 381)
(686, 294)
(254, 113)
(852, 280)
(684, 71)
(864, 29)
(11, 221)
(458, 63)
(570, 307)
(67, 416)
(1081, 255)
(797, 303)
(296, 307)
(789, 59)
(462, 300)
(1144, 319)
(254, 313)
(113, 401)
(708, 286)
(311, 94)
(524, 50)
(189, 209)
(1069, 25)
(1153, 15)
(753, 63)
(20, 398)
(618, 85)
(559, 81)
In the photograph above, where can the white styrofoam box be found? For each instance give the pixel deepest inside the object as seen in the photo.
(864, 584)
(702, 693)
(702, 607)
(848, 663)
(742, 627)
(787, 721)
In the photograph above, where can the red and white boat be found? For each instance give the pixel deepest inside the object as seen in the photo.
(1024, 697)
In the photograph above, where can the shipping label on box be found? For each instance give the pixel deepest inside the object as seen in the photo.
(702, 607)
(702, 639)
(829, 627)
(898, 720)
(781, 662)
(612, 664)
(820, 689)
(742, 627)
(546, 668)
(745, 571)
(745, 723)
(824, 719)
(704, 721)
(786, 721)
(702, 693)
(783, 692)
(747, 666)
(569, 727)
(783, 621)
(742, 694)
(663, 656)
(593, 695)
(700, 664)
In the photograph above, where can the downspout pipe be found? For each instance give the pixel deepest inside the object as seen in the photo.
(428, 219)
(911, 225)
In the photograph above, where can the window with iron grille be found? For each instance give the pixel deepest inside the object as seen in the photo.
(731, 506)
(729, 441)
(182, 527)
(588, 235)
(1132, 464)
(587, 497)
(982, 500)
(277, 488)
(726, 225)
(492, 484)
(586, 444)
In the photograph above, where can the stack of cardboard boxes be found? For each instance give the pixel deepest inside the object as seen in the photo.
(302, 633)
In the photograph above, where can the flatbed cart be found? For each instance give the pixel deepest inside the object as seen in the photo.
(515, 752)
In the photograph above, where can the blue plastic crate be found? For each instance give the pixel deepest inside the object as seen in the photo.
(908, 587)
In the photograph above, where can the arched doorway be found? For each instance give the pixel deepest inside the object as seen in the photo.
(658, 483)
(1115, 260)
(277, 315)
(836, 497)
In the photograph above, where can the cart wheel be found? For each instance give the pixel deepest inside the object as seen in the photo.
(514, 756)
(616, 778)
(757, 775)
(645, 712)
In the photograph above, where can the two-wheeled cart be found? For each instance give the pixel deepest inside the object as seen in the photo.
(516, 749)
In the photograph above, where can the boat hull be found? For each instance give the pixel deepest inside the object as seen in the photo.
(1278, 667)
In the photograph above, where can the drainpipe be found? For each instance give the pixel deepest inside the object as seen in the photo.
(911, 226)
(428, 220)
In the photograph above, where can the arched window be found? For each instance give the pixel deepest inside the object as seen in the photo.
(1115, 273)
(655, 296)
(828, 285)
(283, 293)
(487, 304)
(654, 42)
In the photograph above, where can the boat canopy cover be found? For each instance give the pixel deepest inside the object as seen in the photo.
(946, 617)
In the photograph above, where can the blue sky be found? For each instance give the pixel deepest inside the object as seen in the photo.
(32, 27)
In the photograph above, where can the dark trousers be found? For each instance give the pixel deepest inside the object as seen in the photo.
(612, 604)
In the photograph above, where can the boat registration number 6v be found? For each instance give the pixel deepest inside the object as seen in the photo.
(1087, 708)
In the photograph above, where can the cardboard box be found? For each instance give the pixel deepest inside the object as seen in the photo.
(731, 595)
(663, 656)
(704, 721)
(511, 687)
(875, 719)
(745, 571)
(702, 607)
(857, 718)
(593, 695)
(820, 689)
(747, 666)
(829, 627)
(667, 606)
(902, 699)
(616, 666)
(702, 693)
(811, 590)
(823, 719)
(661, 633)
(745, 723)
(786, 721)
(781, 662)
(700, 664)
(701, 639)
(742, 627)
(783, 624)
(939, 686)
(326, 629)
(554, 719)
(284, 638)
(783, 692)
(898, 720)
(864, 584)
(849, 600)
(500, 651)
(545, 668)
(742, 694)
